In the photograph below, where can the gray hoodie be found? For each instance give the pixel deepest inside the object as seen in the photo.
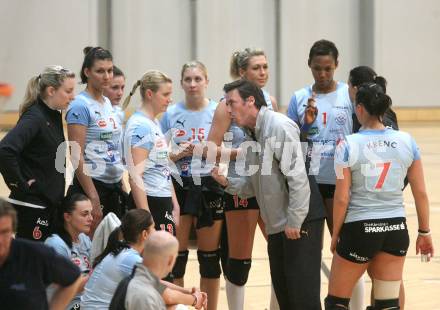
(276, 174)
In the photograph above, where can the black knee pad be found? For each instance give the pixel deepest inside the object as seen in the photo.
(386, 304)
(180, 265)
(336, 303)
(238, 271)
(209, 264)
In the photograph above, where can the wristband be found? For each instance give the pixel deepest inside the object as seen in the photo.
(424, 234)
(424, 231)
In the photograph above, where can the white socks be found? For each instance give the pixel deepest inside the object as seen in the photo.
(234, 295)
(357, 296)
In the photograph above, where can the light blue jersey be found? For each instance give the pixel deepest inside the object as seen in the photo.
(379, 160)
(79, 254)
(102, 155)
(106, 276)
(236, 136)
(183, 125)
(333, 123)
(145, 133)
(120, 114)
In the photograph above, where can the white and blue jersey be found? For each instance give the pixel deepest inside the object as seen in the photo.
(105, 278)
(379, 160)
(333, 122)
(120, 114)
(145, 133)
(79, 254)
(236, 136)
(183, 125)
(102, 149)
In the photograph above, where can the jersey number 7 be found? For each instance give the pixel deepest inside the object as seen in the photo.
(385, 168)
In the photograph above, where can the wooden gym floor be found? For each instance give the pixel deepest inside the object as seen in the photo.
(422, 280)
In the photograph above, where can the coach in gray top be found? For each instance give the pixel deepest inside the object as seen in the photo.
(145, 289)
(276, 175)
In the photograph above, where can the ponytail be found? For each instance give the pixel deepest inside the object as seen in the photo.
(52, 76)
(380, 80)
(365, 74)
(150, 80)
(133, 223)
(115, 245)
(234, 69)
(127, 100)
(374, 99)
(31, 94)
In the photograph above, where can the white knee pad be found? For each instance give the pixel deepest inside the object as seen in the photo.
(386, 289)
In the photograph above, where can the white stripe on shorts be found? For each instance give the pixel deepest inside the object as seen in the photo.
(24, 204)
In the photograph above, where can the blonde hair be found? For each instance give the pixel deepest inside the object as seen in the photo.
(240, 60)
(194, 64)
(52, 76)
(152, 80)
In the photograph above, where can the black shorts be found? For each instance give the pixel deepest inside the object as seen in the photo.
(204, 201)
(327, 190)
(111, 196)
(235, 203)
(161, 209)
(34, 224)
(360, 241)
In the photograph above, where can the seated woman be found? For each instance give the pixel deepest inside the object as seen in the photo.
(70, 239)
(119, 258)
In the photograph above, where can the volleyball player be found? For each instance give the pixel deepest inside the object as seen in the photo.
(115, 91)
(146, 152)
(323, 112)
(241, 214)
(370, 229)
(92, 125)
(200, 197)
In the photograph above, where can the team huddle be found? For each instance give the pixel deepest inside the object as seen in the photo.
(211, 171)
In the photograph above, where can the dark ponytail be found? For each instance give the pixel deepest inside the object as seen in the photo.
(365, 74)
(115, 244)
(133, 224)
(380, 80)
(374, 99)
(67, 206)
